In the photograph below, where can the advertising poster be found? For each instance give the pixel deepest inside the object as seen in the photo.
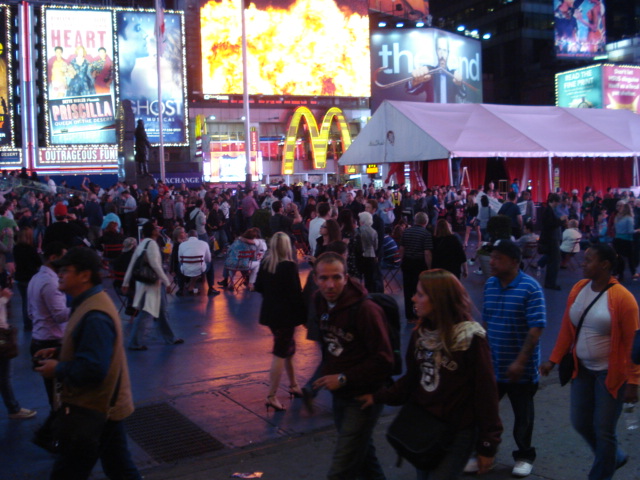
(231, 167)
(78, 66)
(579, 28)
(621, 89)
(425, 65)
(6, 112)
(295, 47)
(138, 73)
(580, 88)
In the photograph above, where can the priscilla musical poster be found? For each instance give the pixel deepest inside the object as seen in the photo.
(79, 76)
(6, 137)
(138, 73)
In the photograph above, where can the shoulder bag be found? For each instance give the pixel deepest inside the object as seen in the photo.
(419, 437)
(567, 365)
(142, 271)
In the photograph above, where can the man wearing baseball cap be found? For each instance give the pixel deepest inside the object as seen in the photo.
(515, 315)
(92, 368)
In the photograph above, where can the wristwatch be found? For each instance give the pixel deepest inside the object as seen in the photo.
(342, 379)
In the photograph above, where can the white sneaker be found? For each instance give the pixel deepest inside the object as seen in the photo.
(478, 272)
(22, 414)
(471, 466)
(522, 469)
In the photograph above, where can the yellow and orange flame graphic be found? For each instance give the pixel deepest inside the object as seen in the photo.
(616, 104)
(312, 47)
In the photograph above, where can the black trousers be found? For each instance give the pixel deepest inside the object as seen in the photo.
(411, 270)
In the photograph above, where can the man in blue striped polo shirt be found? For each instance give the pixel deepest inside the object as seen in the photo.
(515, 315)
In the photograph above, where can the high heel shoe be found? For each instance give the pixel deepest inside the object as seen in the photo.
(295, 391)
(273, 402)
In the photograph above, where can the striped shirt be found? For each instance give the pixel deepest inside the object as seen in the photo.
(509, 313)
(415, 241)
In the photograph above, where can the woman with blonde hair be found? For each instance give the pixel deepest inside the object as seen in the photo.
(449, 378)
(282, 310)
(623, 242)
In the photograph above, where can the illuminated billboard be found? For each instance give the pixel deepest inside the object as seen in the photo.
(621, 88)
(580, 88)
(6, 80)
(615, 87)
(78, 67)
(425, 65)
(138, 73)
(303, 48)
(579, 28)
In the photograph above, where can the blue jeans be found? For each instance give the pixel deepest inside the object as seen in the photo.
(355, 456)
(144, 318)
(6, 390)
(594, 415)
(76, 462)
(451, 466)
(521, 398)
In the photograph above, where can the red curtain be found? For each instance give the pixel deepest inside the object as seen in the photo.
(477, 170)
(515, 168)
(539, 176)
(598, 173)
(438, 172)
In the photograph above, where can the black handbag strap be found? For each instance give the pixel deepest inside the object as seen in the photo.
(586, 310)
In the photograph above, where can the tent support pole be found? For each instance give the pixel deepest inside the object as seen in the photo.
(550, 164)
(636, 181)
(450, 171)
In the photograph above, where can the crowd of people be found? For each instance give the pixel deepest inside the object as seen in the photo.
(456, 368)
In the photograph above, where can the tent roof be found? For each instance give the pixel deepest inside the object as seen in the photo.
(430, 131)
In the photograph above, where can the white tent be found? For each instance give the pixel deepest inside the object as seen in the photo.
(412, 131)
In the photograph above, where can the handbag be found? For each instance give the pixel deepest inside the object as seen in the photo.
(567, 365)
(142, 271)
(8, 342)
(72, 427)
(419, 437)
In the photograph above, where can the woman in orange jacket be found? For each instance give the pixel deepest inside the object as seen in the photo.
(603, 376)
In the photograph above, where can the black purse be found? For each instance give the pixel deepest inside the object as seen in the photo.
(419, 437)
(142, 271)
(72, 427)
(567, 365)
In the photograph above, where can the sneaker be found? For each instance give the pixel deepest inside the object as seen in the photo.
(471, 466)
(478, 272)
(23, 414)
(471, 261)
(522, 468)
(213, 292)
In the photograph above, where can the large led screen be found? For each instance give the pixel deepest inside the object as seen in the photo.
(579, 28)
(6, 78)
(580, 88)
(138, 73)
(78, 66)
(621, 87)
(299, 47)
(425, 65)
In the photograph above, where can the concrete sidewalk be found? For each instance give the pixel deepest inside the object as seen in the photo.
(218, 380)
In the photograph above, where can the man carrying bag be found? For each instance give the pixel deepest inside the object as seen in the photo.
(92, 367)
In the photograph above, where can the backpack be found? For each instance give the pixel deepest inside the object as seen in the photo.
(190, 224)
(392, 320)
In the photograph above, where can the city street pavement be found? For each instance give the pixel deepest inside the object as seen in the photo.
(218, 379)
